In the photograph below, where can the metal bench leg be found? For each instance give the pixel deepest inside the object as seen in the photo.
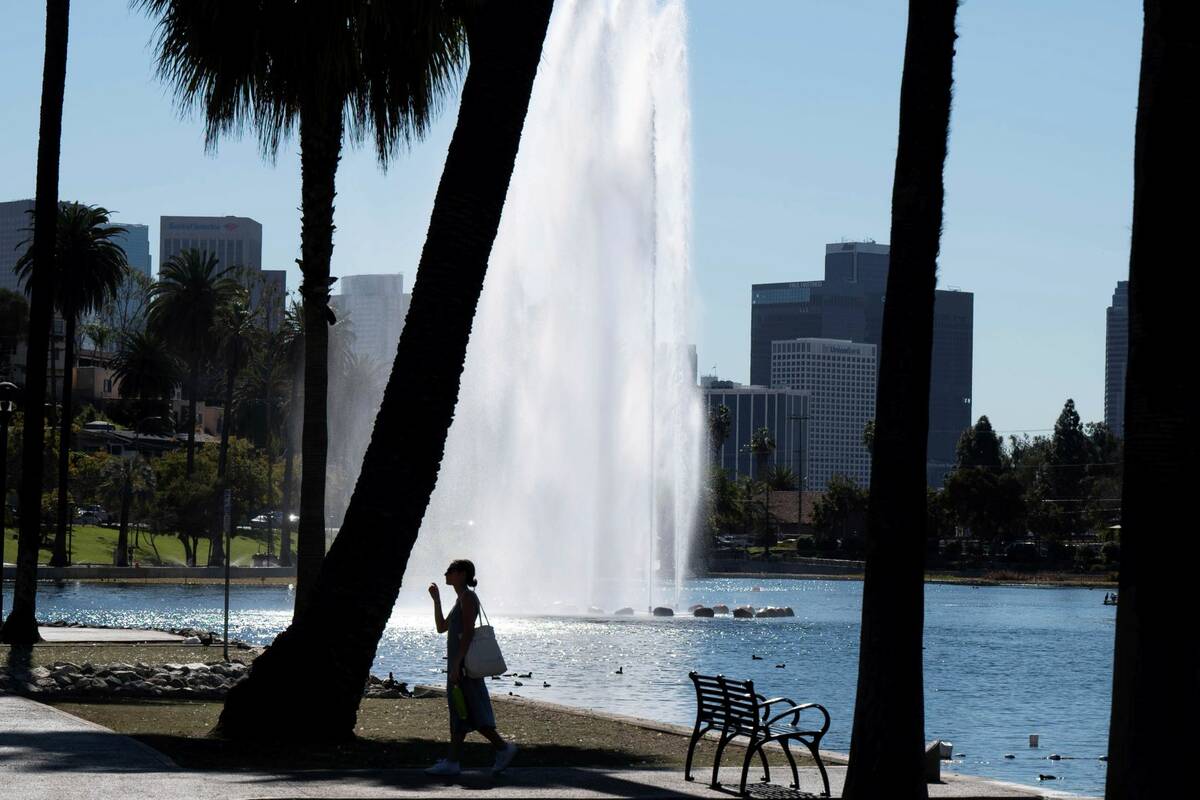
(750, 750)
(816, 754)
(687, 766)
(792, 761)
(762, 756)
(724, 740)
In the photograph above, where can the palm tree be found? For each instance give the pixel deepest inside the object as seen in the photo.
(1155, 685)
(123, 480)
(720, 423)
(761, 446)
(887, 743)
(236, 332)
(14, 323)
(190, 289)
(146, 370)
(21, 625)
(258, 407)
(91, 267)
(330, 71)
(333, 639)
(292, 344)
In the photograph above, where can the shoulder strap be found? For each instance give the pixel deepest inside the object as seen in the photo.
(481, 613)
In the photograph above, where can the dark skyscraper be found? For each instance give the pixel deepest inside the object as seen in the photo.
(1116, 355)
(848, 304)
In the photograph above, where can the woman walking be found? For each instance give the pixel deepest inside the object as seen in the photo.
(460, 624)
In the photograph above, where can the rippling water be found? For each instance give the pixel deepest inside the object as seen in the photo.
(1001, 662)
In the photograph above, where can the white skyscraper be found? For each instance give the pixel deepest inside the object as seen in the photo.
(374, 306)
(839, 377)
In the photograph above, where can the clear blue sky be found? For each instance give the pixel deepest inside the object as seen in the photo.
(794, 126)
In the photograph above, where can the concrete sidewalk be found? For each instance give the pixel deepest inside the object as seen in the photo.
(53, 634)
(47, 753)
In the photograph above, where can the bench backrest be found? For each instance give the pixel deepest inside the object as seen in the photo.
(724, 703)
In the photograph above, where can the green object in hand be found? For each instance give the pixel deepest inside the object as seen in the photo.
(459, 701)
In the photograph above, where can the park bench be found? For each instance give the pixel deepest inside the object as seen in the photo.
(732, 708)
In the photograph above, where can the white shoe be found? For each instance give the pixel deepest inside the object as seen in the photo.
(444, 767)
(504, 758)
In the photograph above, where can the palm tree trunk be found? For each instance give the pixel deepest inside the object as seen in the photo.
(888, 740)
(289, 460)
(193, 390)
(270, 473)
(59, 557)
(1156, 690)
(21, 625)
(332, 642)
(320, 151)
(216, 548)
(122, 555)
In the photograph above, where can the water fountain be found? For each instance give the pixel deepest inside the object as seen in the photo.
(573, 467)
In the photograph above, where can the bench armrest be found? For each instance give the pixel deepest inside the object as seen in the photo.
(795, 712)
(766, 704)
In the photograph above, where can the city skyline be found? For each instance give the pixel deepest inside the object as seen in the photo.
(789, 154)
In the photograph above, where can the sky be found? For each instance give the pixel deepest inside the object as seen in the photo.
(794, 119)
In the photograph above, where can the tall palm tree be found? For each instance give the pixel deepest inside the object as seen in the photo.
(888, 740)
(292, 344)
(329, 71)
(761, 447)
(336, 635)
(21, 625)
(190, 289)
(91, 267)
(146, 370)
(1155, 685)
(258, 407)
(235, 330)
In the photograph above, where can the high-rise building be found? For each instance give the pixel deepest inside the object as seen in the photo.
(375, 307)
(135, 241)
(839, 378)
(848, 304)
(780, 411)
(235, 241)
(16, 217)
(1116, 357)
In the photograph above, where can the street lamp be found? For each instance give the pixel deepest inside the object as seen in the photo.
(8, 404)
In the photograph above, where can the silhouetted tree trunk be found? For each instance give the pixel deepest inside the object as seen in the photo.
(888, 741)
(320, 151)
(1156, 689)
(331, 643)
(59, 557)
(21, 625)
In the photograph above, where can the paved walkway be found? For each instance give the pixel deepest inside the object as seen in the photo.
(47, 753)
(55, 635)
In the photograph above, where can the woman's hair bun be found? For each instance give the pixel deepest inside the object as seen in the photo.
(473, 583)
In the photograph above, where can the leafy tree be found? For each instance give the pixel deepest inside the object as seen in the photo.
(979, 446)
(90, 268)
(868, 436)
(839, 510)
(887, 743)
(21, 626)
(14, 321)
(350, 607)
(184, 303)
(331, 72)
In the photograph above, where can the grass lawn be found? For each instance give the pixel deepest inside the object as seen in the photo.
(92, 544)
(404, 733)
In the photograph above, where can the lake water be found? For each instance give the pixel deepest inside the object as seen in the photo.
(1000, 662)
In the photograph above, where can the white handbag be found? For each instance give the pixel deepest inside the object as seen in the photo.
(484, 658)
